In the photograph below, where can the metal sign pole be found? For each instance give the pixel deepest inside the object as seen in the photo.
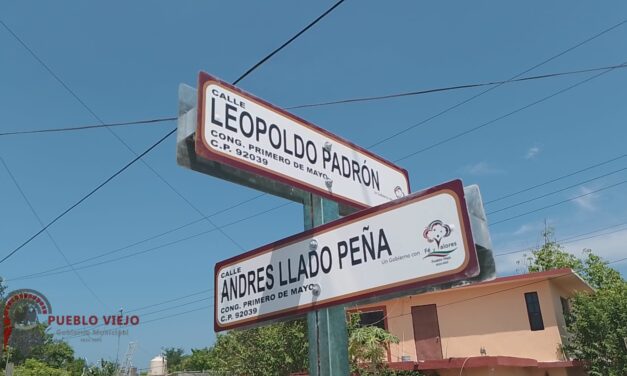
(328, 338)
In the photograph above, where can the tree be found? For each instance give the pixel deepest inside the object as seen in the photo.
(105, 368)
(174, 357)
(277, 349)
(367, 347)
(33, 367)
(597, 322)
(199, 360)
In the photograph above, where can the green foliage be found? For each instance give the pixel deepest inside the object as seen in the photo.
(278, 349)
(56, 354)
(199, 360)
(105, 368)
(597, 322)
(33, 367)
(174, 357)
(367, 347)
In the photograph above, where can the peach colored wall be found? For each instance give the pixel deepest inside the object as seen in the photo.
(483, 316)
(504, 371)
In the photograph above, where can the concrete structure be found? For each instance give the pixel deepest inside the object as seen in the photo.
(158, 366)
(508, 326)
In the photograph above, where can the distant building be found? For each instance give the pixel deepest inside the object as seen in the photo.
(509, 326)
(158, 366)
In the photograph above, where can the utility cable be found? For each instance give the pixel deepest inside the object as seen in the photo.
(490, 122)
(117, 137)
(352, 100)
(450, 88)
(556, 179)
(87, 127)
(56, 271)
(559, 203)
(459, 104)
(572, 239)
(52, 240)
(139, 156)
(557, 191)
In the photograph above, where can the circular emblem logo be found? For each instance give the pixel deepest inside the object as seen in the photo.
(22, 310)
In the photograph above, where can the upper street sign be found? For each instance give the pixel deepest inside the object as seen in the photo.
(422, 239)
(240, 130)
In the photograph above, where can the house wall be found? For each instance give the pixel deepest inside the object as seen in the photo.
(490, 316)
(505, 371)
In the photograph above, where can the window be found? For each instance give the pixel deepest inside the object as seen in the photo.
(372, 318)
(533, 311)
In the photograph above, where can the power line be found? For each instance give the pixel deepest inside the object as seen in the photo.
(169, 301)
(85, 197)
(119, 249)
(52, 240)
(149, 313)
(301, 32)
(139, 156)
(557, 191)
(559, 203)
(87, 127)
(556, 179)
(450, 88)
(573, 238)
(448, 109)
(56, 271)
(116, 136)
(343, 101)
(476, 128)
(48, 272)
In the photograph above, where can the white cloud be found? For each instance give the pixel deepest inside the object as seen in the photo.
(532, 152)
(586, 202)
(481, 168)
(611, 247)
(524, 229)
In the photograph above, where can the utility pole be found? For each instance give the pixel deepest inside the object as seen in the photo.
(328, 337)
(117, 353)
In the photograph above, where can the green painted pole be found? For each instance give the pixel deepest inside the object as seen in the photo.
(328, 339)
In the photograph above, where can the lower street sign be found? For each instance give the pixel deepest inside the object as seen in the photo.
(409, 243)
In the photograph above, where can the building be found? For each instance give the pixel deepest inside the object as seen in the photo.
(508, 326)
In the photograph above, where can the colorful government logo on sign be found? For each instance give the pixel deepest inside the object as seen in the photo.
(436, 232)
(22, 310)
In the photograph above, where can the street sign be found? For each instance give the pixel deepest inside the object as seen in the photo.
(240, 130)
(422, 239)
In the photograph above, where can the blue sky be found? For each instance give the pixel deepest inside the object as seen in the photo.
(126, 59)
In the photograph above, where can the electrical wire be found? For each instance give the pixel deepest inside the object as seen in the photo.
(558, 203)
(573, 238)
(459, 104)
(117, 137)
(116, 250)
(56, 271)
(310, 105)
(450, 88)
(154, 145)
(88, 127)
(49, 272)
(52, 240)
(556, 179)
(490, 122)
(557, 191)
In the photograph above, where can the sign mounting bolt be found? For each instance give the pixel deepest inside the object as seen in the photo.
(327, 146)
(329, 183)
(315, 290)
(313, 245)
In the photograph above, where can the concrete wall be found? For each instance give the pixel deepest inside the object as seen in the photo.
(492, 316)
